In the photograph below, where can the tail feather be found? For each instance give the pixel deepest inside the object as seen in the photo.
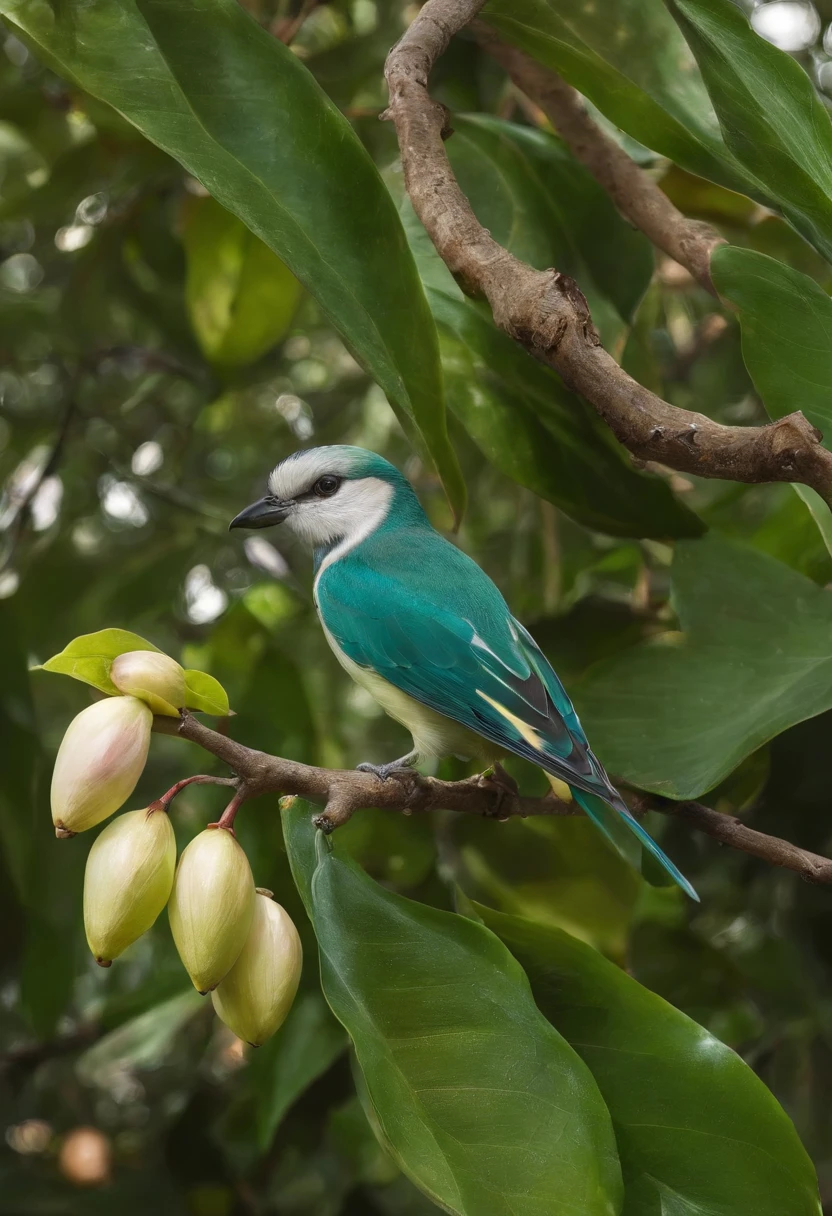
(625, 832)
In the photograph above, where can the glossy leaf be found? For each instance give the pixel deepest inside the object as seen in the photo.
(631, 61)
(481, 1102)
(697, 1131)
(542, 436)
(678, 713)
(265, 140)
(540, 203)
(241, 298)
(771, 117)
(786, 321)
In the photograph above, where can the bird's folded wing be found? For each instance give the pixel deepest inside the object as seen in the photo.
(500, 685)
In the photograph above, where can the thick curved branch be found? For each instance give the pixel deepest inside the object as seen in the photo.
(345, 791)
(342, 792)
(635, 194)
(546, 312)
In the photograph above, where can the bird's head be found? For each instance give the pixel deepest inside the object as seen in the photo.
(331, 493)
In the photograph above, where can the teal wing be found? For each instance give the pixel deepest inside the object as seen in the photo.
(482, 669)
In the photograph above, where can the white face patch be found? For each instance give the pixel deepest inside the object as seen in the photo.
(356, 509)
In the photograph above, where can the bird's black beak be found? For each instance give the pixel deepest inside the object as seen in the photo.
(264, 513)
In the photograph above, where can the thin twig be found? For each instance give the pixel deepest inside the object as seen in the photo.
(635, 194)
(546, 312)
(342, 792)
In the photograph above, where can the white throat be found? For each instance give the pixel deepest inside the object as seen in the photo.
(361, 510)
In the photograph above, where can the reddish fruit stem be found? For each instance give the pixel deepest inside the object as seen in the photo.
(230, 813)
(162, 804)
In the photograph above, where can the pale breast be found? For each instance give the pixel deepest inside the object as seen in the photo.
(434, 735)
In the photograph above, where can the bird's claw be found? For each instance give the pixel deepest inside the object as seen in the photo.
(498, 779)
(385, 771)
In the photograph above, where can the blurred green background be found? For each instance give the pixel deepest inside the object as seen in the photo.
(157, 361)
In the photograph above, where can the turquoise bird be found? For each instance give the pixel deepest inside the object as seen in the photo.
(420, 626)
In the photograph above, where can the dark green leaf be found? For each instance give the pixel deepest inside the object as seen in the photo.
(697, 1131)
(630, 60)
(312, 194)
(482, 1104)
(786, 321)
(772, 119)
(308, 1042)
(678, 713)
(241, 298)
(546, 208)
(541, 435)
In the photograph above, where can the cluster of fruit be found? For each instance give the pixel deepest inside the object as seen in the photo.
(234, 940)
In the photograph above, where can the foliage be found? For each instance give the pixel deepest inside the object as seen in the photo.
(207, 259)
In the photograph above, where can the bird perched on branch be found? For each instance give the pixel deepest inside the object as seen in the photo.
(419, 625)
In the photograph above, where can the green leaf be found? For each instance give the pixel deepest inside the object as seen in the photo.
(678, 713)
(481, 1102)
(698, 1133)
(771, 117)
(242, 114)
(786, 321)
(540, 203)
(240, 296)
(628, 58)
(542, 436)
(305, 1046)
(90, 657)
(205, 694)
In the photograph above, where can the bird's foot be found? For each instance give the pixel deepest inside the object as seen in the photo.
(496, 778)
(396, 768)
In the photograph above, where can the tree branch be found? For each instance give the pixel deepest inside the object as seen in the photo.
(546, 312)
(635, 194)
(345, 791)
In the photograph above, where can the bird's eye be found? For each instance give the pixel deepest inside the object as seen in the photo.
(326, 486)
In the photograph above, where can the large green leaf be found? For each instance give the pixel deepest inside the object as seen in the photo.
(678, 713)
(630, 60)
(698, 1133)
(544, 206)
(535, 431)
(240, 296)
(772, 118)
(786, 321)
(243, 115)
(480, 1101)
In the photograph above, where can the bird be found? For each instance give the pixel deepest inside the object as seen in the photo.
(418, 624)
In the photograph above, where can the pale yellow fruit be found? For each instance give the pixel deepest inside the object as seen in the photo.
(154, 678)
(99, 762)
(128, 881)
(211, 906)
(257, 994)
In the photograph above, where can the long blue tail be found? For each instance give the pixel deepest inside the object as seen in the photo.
(625, 832)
